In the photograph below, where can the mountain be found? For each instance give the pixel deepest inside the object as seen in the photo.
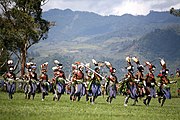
(160, 43)
(81, 36)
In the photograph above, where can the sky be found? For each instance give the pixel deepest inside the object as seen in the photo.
(113, 7)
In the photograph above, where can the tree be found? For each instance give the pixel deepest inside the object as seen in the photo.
(175, 12)
(22, 26)
(3, 57)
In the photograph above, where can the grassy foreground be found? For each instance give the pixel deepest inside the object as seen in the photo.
(20, 109)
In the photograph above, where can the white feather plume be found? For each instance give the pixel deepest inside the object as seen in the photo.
(46, 63)
(94, 61)
(162, 62)
(135, 59)
(107, 63)
(56, 62)
(128, 59)
(148, 63)
(28, 64)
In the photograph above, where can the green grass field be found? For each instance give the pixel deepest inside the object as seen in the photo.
(22, 109)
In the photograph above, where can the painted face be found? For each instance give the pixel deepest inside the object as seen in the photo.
(97, 70)
(43, 71)
(141, 68)
(114, 70)
(33, 70)
(11, 69)
(29, 70)
(58, 72)
(153, 69)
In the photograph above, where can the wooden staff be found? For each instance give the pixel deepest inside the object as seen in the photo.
(93, 71)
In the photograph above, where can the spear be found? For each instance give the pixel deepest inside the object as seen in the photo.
(93, 71)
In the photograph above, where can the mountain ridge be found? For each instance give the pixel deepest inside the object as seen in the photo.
(70, 23)
(85, 35)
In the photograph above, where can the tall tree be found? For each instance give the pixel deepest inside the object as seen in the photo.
(22, 26)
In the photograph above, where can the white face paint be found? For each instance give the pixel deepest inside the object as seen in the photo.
(11, 69)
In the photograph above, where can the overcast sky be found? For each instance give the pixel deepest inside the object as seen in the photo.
(114, 7)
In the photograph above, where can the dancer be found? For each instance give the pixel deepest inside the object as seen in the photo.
(149, 84)
(10, 78)
(59, 83)
(139, 79)
(43, 78)
(77, 88)
(72, 82)
(129, 82)
(88, 85)
(112, 90)
(30, 81)
(96, 85)
(164, 88)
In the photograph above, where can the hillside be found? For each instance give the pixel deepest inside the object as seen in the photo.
(84, 35)
(161, 43)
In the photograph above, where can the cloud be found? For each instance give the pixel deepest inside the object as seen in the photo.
(114, 7)
(131, 7)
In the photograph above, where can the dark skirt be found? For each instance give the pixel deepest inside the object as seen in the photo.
(30, 88)
(112, 91)
(133, 92)
(152, 92)
(72, 91)
(11, 87)
(167, 93)
(60, 88)
(80, 89)
(96, 90)
(164, 92)
(44, 87)
(27, 88)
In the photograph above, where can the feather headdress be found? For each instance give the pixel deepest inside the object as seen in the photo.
(163, 63)
(135, 59)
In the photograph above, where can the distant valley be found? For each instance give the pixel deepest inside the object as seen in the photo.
(81, 36)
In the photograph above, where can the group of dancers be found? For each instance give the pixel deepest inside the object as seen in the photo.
(90, 83)
(140, 86)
